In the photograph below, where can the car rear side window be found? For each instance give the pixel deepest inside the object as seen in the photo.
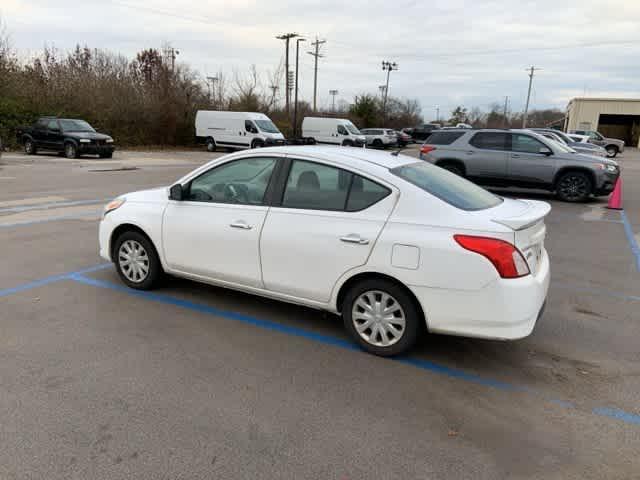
(444, 138)
(314, 186)
(447, 186)
(490, 140)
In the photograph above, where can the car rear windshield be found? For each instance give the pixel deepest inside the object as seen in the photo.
(444, 138)
(447, 186)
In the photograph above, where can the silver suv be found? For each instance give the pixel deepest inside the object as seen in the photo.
(521, 158)
(613, 146)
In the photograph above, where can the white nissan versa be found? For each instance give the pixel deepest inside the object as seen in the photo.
(390, 243)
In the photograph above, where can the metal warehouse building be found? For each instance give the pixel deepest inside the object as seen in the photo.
(612, 117)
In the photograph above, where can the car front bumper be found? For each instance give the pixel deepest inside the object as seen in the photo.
(93, 149)
(273, 142)
(506, 309)
(606, 183)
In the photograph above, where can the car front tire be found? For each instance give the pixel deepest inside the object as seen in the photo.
(137, 261)
(381, 317)
(612, 151)
(574, 187)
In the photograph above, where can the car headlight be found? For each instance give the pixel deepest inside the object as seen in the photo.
(113, 205)
(611, 168)
(85, 140)
(109, 140)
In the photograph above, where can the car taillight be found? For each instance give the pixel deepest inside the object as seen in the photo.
(427, 148)
(507, 259)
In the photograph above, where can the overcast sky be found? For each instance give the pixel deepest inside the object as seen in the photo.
(449, 52)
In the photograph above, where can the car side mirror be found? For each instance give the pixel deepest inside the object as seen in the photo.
(545, 151)
(176, 193)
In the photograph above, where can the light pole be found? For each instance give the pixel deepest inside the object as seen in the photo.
(333, 93)
(387, 66)
(295, 106)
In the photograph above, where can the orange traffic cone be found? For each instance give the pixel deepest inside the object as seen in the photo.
(615, 200)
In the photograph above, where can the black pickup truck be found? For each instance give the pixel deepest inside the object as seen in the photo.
(65, 135)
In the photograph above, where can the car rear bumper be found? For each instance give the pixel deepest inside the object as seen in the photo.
(506, 309)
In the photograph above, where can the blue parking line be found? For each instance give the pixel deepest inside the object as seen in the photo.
(617, 414)
(50, 279)
(635, 249)
(47, 206)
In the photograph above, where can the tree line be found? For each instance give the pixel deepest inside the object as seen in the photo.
(147, 100)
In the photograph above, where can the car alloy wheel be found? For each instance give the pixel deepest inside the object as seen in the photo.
(70, 150)
(28, 147)
(378, 318)
(574, 187)
(612, 152)
(133, 261)
(211, 146)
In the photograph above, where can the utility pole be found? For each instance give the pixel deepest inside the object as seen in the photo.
(437, 114)
(295, 106)
(333, 93)
(274, 90)
(382, 88)
(526, 107)
(286, 37)
(211, 81)
(316, 54)
(387, 66)
(504, 115)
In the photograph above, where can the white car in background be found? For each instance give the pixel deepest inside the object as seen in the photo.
(380, 137)
(391, 243)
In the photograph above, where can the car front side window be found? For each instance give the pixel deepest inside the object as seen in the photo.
(342, 130)
(526, 144)
(241, 182)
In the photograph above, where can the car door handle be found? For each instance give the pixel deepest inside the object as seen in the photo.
(515, 155)
(241, 224)
(470, 152)
(353, 238)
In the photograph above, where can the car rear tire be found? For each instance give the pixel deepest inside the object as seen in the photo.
(612, 151)
(137, 261)
(574, 187)
(70, 150)
(381, 317)
(211, 145)
(30, 147)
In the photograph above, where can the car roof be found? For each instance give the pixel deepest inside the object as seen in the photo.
(357, 157)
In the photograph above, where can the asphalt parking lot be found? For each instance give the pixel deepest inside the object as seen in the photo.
(196, 382)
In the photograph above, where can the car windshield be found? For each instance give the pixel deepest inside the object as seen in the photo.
(267, 126)
(352, 128)
(76, 126)
(447, 186)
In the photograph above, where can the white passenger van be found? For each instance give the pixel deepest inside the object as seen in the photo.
(335, 131)
(236, 130)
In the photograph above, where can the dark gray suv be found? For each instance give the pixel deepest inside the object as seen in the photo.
(521, 158)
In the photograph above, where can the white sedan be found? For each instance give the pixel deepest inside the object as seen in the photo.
(394, 245)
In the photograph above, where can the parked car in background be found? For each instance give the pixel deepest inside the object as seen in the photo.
(521, 158)
(580, 147)
(73, 137)
(422, 132)
(236, 130)
(394, 245)
(613, 146)
(332, 131)
(579, 138)
(380, 137)
(403, 138)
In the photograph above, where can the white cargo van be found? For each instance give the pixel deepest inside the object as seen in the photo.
(236, 130)
(336, 131)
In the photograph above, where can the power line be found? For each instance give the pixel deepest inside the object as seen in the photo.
(316, 54)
